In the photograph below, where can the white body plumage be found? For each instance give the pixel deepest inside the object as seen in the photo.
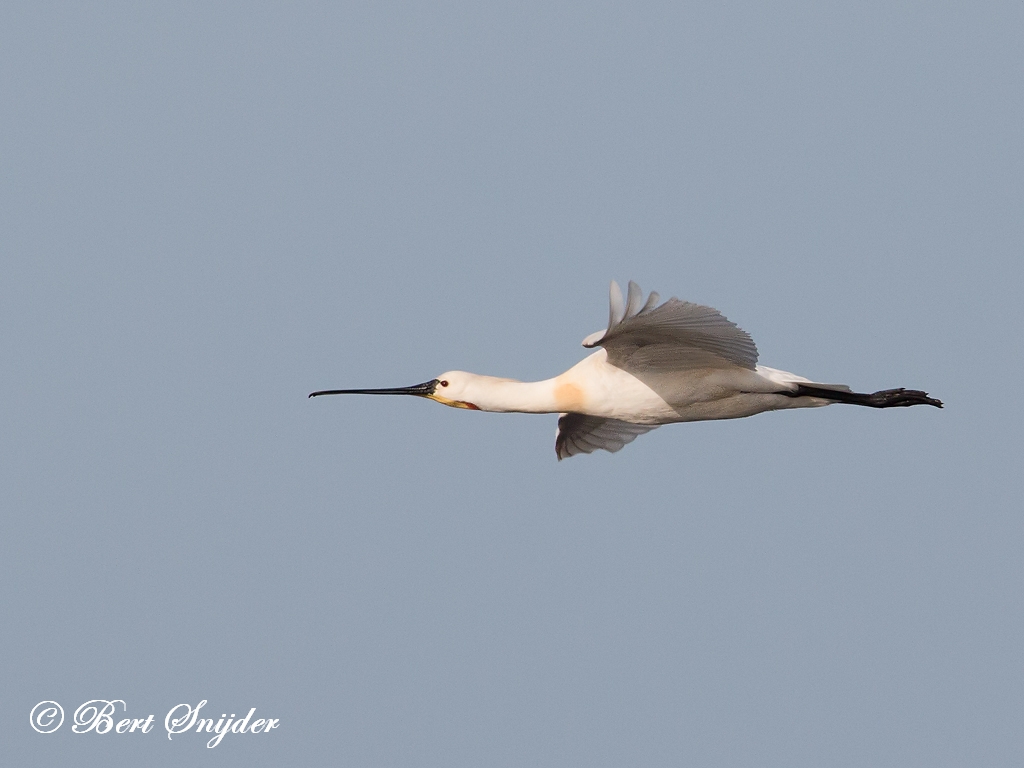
(594, 387)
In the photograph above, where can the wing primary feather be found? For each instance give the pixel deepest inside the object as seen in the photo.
(634, 299)
(616, 307)
(620, 310)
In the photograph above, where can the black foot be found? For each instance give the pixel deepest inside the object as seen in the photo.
(892, 398)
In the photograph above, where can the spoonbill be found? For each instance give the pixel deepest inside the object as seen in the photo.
(658, 364)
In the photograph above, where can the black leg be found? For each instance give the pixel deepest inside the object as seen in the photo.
(886, 398)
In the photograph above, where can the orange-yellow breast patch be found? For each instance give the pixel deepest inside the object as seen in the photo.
(568, 396)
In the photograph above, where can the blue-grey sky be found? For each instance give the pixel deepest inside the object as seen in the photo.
(209, 210)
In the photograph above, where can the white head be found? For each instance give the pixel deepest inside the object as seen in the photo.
(456, 388)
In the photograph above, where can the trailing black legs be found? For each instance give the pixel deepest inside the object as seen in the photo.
(886, 398)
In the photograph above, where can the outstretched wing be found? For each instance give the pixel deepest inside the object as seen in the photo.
(585, 434)
(643, 337)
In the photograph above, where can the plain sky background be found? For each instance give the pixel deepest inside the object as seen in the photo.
(208, 210)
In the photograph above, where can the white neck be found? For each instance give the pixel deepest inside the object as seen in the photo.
(510, 396)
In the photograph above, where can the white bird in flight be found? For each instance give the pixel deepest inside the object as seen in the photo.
(658, 364)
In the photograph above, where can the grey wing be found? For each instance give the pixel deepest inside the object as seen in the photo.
(678, 335)
(585, 434)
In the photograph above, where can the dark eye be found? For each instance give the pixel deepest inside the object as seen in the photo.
(443, 383)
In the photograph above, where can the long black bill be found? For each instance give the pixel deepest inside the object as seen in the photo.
(420, 390)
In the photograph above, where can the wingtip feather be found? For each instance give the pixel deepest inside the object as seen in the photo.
(616, 305)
